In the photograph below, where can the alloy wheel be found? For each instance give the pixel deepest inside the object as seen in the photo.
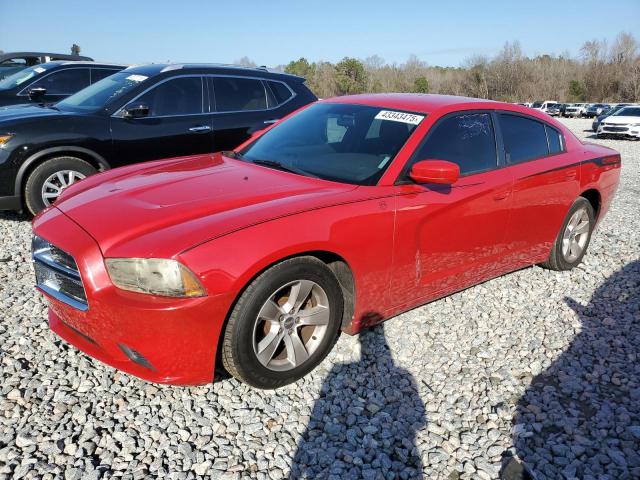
(576, 235)
(54, 185)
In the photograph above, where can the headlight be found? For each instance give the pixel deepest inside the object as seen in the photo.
(155, 276)
(5, 138)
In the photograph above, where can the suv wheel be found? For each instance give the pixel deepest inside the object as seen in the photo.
(49, 179)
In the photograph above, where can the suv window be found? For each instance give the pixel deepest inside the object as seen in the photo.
(555, 139)
(467, 140)
(179, 96)
(63, 82)
(98, 74)
(280, 92)
(235, 94)
(524, 138)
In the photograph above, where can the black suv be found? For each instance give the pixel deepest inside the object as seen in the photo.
(141, 113)
(53, 81)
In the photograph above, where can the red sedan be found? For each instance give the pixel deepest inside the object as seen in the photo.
(346, 213)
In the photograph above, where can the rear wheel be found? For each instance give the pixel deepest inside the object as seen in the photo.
(50, 178)
(573, 239)
(284, 324)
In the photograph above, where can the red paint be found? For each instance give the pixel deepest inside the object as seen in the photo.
(228, 220)
(435, 171)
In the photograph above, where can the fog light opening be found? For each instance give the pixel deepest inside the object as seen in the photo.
(136, 357)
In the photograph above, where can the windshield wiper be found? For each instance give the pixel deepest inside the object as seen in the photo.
(283, 167)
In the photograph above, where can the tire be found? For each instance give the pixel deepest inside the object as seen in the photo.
(72, 170)
(243, 353)
(563, 256)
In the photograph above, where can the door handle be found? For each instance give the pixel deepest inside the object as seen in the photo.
(200, 128)
(502, 195)
(269, 122)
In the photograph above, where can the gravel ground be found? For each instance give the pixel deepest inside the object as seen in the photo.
(538, 365)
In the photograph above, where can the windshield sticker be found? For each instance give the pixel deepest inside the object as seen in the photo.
(403, 117)
(137, 78)
(384, 161)
(39, 69)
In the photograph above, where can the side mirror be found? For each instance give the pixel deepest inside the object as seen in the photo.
(435, 171)
(135, 110)
(35, 94)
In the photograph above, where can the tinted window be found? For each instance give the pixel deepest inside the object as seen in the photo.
(235, 94)
(98, 74)
(523, 138)
(64, 82)
(180, 96)
(555, 140)
(467, 140)
(280, 91)
(339, 142)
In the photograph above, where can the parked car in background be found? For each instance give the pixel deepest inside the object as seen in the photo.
(563, 109)
(138, 114)
(53, 81)
(623, 123)
(255, 257)
(605, 114)
(594, 109)
(543, 106)
(553, 109)
(575, 110)
(13, 62)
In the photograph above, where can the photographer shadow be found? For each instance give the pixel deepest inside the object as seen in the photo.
(364, 424)
(581, 417)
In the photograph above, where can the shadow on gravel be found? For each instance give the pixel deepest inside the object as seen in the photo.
(581, 417)
(364, 423)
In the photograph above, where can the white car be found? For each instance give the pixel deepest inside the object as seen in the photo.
(576, 110)
(624, 123)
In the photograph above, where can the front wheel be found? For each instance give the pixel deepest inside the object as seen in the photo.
(284, 323)
(574, 237)
(49, 179)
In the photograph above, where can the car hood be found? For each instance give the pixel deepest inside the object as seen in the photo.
(622, 120)
(160, 209)
(17, 112)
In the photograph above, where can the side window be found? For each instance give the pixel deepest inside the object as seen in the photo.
(555, 139)
(281, 92)
(523, 138)
(467, 140)
(98, 74)
(235, 94)
(64, 82)
(179, 96)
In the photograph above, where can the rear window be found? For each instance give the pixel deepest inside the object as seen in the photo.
(281, 92)
(524, 138)
(235, 94)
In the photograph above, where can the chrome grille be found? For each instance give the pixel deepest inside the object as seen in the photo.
(57, 273)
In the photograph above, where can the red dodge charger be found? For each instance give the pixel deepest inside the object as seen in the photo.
(341, 215)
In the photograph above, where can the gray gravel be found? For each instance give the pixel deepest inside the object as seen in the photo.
(539, 365)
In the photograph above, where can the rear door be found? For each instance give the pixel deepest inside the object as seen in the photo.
(546, 182)
(178, 124)
(451, 236)
(244, 106)
(60, 84)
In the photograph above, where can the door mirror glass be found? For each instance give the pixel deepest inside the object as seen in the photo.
(435, 171)
(36, 94)
(136, 110)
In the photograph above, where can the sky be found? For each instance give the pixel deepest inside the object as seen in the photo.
(274, 32)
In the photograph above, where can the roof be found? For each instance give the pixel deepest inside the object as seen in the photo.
(61, 56)
(412, 102)
(156, 68)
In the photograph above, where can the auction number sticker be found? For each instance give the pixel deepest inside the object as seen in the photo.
(39, 69)
(137, 78)
(399, 117)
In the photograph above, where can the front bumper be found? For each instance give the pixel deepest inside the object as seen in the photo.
(626, 131)
(164, 340)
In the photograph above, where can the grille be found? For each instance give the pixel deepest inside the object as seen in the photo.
(614, 129)
(57, 274)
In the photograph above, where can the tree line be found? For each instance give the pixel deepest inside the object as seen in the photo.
(602, 72)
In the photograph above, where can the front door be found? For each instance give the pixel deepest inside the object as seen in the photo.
(450, 237)
(178, 123)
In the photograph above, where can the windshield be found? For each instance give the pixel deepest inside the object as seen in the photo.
(345, 143)
(628, 112)
(99, 94)
(18, 78)
(536, 105)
